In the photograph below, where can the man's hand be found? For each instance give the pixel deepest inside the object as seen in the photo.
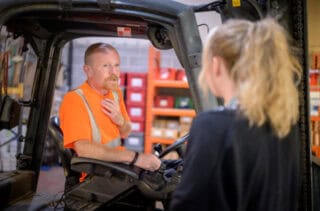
(85, 148)
(148, 161)
(112, 110)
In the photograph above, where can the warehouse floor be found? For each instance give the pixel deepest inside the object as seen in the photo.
(51, 180)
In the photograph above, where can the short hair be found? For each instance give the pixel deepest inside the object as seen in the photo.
(98, 47)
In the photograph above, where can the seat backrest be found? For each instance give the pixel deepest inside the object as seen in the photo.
(55, 132)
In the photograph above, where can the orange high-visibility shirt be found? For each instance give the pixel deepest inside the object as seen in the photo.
(74, 118)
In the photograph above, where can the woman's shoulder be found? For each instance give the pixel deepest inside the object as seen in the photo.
(217, 113)
(214, 119)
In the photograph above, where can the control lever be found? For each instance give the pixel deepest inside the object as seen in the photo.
(157, 149)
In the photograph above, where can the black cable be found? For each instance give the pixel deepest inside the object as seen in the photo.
(204, 24)
(213, 6)
(59, 201)
(11, 139)
(54, 204)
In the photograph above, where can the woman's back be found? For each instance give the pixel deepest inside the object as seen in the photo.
(245, 158)
(261, 169)
(248, 168)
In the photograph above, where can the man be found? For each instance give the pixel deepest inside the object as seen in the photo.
(101, 95)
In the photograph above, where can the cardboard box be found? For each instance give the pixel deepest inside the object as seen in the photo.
(157, 132)
(186, 119)
(173, 124)
(171, 133)
(184, 129)
(160, 123)
(185, 126)
(183, 133)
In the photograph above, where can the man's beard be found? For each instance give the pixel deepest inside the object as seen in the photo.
(111, 83)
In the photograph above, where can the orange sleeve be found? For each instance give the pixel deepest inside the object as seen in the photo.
(74, 120)
(122, 106)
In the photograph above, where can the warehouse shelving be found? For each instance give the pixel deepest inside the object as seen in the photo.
(315, 121)
(151, 110)
(172, 112)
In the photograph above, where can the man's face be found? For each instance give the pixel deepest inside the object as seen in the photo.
(103, 70)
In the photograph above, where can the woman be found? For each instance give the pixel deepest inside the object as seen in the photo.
(245, 155)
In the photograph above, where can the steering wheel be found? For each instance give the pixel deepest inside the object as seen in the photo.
(158, 184)
(177, 146)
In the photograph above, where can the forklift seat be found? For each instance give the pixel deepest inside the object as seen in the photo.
(55, 132)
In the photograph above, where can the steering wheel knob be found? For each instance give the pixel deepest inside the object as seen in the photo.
(157, 149)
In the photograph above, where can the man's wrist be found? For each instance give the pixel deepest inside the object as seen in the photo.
(135, 158)
(122, 124)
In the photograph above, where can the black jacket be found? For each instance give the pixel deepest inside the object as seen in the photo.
(232, 166)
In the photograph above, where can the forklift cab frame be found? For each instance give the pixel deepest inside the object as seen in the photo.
(48, 25)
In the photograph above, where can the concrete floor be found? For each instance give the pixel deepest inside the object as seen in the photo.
(51, 180)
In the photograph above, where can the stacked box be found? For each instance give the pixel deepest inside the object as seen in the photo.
(314, 77)
(135, 142)
(181, 75)
(157, 132)
(315, 129)
(172, 129)
(122, 79)
(314, 61)
(136, 80)
(122, 83)
(183, 102)
(165, 128)
(136, 97)
(136, 106)
(314, 103)
(136, 113)
(138, 126)
(166, 74)
(164, 101)
(10, 147)
(185, 124)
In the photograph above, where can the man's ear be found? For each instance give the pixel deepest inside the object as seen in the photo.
(87, 70)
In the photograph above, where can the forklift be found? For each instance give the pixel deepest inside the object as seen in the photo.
(45, 26)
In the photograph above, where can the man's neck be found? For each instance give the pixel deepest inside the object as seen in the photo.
(100, 91)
